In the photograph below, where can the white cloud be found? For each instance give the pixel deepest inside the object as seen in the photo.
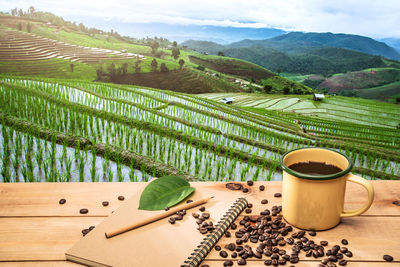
(371, 18)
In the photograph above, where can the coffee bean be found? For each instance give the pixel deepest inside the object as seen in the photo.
(83, 211)
(204, 265)
(223, 254)
(324, 243)
(396, 202)
(277, 195)
(171, 220)
(343, 263)
(202, 208)
(205, 215)
(245, 190)
(166, 208)
(312, 233)
(262, 188)
(248, 211)
(387, 258)
(85, 232)
(189, 201)
(264, 201)
(332, 258)
(343, 250)
(345, 242)
(228, 263)
(250, 183)
(241, 262)
(349, 254)
(325, 261)
(91, 227)
(282, 261)
(234, 255)
(268, 262)
(62, 201)
(178, 217)
(121, 198)
(249, 205)
(195, 215)
(233, 226)
(227, 234)
(217, 248)
(203, 230)
(105, 203)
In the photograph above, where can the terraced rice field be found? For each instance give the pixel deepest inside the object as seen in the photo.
(332, 108)
(60, 130)
(22, 46)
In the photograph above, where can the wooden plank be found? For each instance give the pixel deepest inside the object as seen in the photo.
(251, 263)
(48, 238)
(210, 263)
(369, 238)
(41, 199)
(40, 264)
(40, 238)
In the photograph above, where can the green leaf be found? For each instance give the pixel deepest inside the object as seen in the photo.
(164, 192)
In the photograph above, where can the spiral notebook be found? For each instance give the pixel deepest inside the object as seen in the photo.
(159, 243)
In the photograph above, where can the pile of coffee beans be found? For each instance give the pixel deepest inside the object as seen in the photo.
(205, 225)
(177, 217)
(273, 235)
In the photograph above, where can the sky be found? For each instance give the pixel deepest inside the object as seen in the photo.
(373, 18)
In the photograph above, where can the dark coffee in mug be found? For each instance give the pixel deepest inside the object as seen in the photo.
(315, 168)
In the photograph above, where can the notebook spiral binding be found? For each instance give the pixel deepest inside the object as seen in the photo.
(211, 239)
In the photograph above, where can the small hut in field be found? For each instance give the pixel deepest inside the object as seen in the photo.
(318, 97)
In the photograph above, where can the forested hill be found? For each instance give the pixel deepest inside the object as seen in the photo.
(299, 42)
(319, 60)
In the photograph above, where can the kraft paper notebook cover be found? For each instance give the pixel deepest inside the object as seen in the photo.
(159, 243)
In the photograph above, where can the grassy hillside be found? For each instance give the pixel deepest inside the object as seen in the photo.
(59, 130)
(232, 66)
(114, 67)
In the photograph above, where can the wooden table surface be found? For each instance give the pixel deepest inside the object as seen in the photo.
(35, 230)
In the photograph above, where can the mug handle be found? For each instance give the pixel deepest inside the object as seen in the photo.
(367, 185)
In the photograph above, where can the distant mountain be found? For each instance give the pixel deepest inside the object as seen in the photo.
(393, 42)
(318, 60)
(299, 42)
(180, 33)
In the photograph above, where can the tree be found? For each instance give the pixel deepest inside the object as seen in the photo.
(398, 99)
(154, 46)
(14, 12)
(124, 68)
(31, 10)
(267, 88)
(220, 53)
(181, 63)
(20, 12)
(72, 67)
(112, 71)
(137, 67)
(28, 27)
(175, 52)
(175, 44)
(286, 90)
(19, 26)
(100, 72)
(279, 70)
(154, 64)
(163, 67)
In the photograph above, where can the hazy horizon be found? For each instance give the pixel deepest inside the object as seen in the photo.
(373, 19)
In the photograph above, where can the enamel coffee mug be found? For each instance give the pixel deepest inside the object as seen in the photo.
(315, 201)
